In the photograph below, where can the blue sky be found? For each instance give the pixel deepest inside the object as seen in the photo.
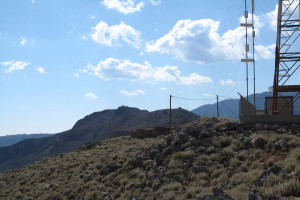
(63, 59)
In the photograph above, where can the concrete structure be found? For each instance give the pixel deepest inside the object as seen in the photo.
(249, 114)
(284, 106)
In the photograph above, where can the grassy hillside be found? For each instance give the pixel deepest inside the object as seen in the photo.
(218, 157)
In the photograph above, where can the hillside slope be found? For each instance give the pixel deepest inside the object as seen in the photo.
(96, 126)
(208, 159)
(13, 139)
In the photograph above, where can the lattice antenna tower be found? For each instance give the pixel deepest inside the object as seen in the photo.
(247, 59)
(287, 55)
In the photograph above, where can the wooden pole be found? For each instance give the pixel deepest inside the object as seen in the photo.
(218, 106)
(170, 111)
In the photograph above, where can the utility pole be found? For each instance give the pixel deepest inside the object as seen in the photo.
(170, 111)
(218, 105)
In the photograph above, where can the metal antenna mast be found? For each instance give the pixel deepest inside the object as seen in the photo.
(253, 36)
(247, 45)
(287, 55)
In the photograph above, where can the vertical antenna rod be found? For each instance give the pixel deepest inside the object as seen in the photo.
(246, 25)
(170, 112)
(218, 106)
(253, 36)
(247, 46)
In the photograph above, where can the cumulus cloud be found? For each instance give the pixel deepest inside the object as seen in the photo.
(112, 35)
(124, 6)
(14, 65)
(132, 93)
(163, 89)
(265, 52)
(190, 40)
(227, 82)
(40, 70)
(114, 69)
(200, 41)
(23, 41)
(271, 18)
(90, 95)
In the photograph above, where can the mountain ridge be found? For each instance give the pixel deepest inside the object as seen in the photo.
(9, 140)
(96, 126)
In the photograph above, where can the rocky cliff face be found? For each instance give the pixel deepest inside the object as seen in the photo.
(208, 159)
(96, 126)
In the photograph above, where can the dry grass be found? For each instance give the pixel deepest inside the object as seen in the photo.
(104, 171)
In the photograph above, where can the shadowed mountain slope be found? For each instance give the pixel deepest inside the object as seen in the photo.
(12, 139)
(98, 125)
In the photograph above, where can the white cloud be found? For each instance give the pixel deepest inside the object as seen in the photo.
(32, 1)
(258, 21)
(163, 89)
(124, 6)
(264, 52)
(112, 35)
(271, 18)
(83, 37)
(92, 17)
(7, 63)
(207, 95)
(40, 70)
(192, 40)
(90, 95)
(155, 2)
(14, 65)
(114, 69)
(23, 41)
(227, 82)
(132, 93)
(200, 41)
(76, 75)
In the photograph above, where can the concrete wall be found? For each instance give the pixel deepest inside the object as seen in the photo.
(278, 119)
(246, 108)
(285, 105)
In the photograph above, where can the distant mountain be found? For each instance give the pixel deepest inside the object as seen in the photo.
(98, 125)
(230, 107)
(12, 139)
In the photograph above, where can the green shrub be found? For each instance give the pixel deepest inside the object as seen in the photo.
(227, 152)
(288, 188)
(217, 172)
(183, 155)
(223, 121)
(242, 155)
(225, 141)
(211, 150)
